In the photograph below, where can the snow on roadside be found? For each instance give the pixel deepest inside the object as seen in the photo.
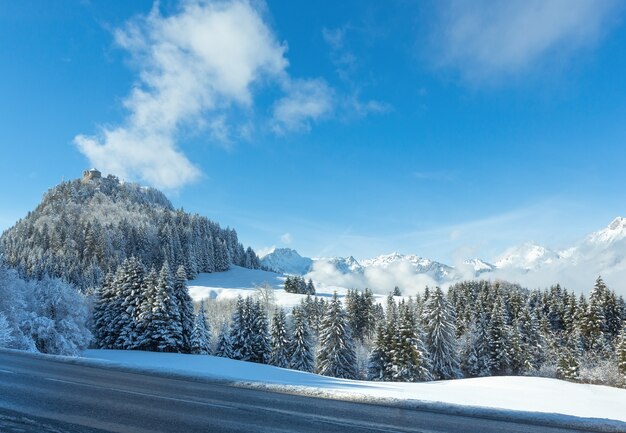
(549, 397)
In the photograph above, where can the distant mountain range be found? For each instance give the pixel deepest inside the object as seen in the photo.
(601, 252)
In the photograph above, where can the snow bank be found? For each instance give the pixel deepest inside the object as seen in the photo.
(549, 397)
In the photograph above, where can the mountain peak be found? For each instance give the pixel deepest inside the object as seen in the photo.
(615, 231)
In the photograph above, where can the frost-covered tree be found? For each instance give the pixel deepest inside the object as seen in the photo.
(440, 336)
(224, 347)
(260, 334)
(185, 307)
(301, 348)
(128, 286)
(498, 340)
(475, 360)
(410, 359)
(5, 331)
(281, 340)
(240, 331)
(58, 317)
(201, 334)
(336, 356)
(379, 359)
(621, 355)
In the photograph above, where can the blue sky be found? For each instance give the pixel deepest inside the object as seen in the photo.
(446, 129)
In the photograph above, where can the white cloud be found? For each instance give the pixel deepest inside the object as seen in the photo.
(195, 67)
(264, 251)
(286, 238)
(484, 39)
(306, 101)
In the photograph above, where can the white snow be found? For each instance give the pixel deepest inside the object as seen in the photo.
(241, 281)
(526, 394)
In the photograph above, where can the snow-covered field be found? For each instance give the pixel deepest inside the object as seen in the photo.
(549, 398)
(241, 281)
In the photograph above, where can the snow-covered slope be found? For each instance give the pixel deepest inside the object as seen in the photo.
(286, 261)
(436, 270)
(479, 266)
(616, 231)
(245, 282)
(527, 256)
(548, 397)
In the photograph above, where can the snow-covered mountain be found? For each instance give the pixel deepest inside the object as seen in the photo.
(286, 261)
(614, 232)
(527, 256)
(479, 266)
(601, 253)
(438, 271)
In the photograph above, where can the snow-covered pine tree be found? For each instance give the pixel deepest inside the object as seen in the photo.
(499, 340)
(148, 323)
(128, 289)
(5, 331)
(301, 348)
(201, 334)
(310, 288)
(410, 358)
(185, 307)
(379, 356)
(281, 340)
(103, 308)
(224, 347)
(163, 331)
(260, 334)
(240, 330)
(438, 318)
(621, 355)
(475, 360)
(336, 356)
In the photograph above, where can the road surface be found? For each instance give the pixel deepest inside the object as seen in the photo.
(43, 395)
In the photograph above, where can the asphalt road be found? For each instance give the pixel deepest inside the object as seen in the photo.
(41, 395)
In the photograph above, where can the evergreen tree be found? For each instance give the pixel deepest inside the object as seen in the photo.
(410, 359)
(162, 329)
(185, 308)
(129, 288)
(260, 334)
(280, 340)
(438, 318)
(499, 340)
(240, 334)
(224, 346)
(103, 310)
(476, 352)
(621, 355)
(310, 288)
(201, 334)
(301, 351)
(336, 356)
(379, 358)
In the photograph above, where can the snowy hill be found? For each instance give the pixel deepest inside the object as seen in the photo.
(85, 227)
(286, 261)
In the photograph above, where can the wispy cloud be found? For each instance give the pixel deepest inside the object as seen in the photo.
(195, 68)
(346, 66)
(486, 40)
(306, 101)
(286, 238)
